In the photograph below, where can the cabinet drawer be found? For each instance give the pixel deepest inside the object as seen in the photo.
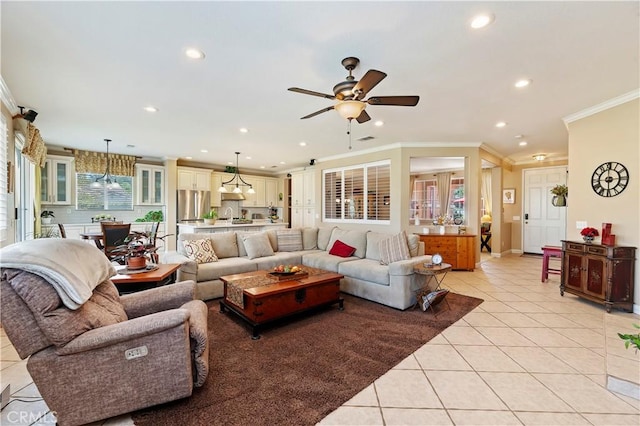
(597, 250)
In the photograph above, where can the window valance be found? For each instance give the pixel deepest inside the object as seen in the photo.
(34, 148)
(96, 162)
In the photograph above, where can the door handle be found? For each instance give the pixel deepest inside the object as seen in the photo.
(526, 216)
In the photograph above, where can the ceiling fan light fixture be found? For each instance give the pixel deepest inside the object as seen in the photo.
(350, 109)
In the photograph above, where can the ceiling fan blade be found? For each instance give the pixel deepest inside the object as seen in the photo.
(311, 92)
(394, 100)
(368, 82)
(313, 114)
(363, 117)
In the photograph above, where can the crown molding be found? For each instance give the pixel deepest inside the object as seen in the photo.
(619, 100)
(7, 97)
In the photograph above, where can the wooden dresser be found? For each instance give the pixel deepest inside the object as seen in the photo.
(602, 274)
(459, 250)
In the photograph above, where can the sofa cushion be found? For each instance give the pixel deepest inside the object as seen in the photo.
(273, 238)
(357, 239)
(373, 240)
(228, 266)
(324, 260)
(413, 241)
(225, 244)
(365, 270)
(289, 239)
(324, 235)
(341, 249)
(309, 238)
(394, 248)
(257, 245)
(200, 250)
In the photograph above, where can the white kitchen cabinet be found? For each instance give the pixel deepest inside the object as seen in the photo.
(271, 192)
(55, 181)
(258, 198)
(303, 188)
(150, 184)
(191, 178)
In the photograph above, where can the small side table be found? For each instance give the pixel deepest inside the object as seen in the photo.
(432, 273)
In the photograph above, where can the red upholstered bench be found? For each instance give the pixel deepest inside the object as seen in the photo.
(548, 252)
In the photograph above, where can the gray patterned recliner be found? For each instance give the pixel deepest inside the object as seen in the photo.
(114, 354)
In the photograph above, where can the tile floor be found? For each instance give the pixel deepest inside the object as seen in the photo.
(524, 356)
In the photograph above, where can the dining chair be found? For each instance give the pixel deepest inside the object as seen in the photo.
(485, 236)
(63, 234)
(114, 235)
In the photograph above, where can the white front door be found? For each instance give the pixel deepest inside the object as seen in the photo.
(543, 223)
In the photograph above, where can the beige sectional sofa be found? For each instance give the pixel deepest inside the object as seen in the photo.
(364, 275)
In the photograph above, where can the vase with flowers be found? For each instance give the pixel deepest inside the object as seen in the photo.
(588, 234)
(560, 193)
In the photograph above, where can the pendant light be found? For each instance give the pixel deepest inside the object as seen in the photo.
(239, 182)
(109, 181)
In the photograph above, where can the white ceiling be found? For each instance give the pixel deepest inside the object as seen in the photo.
(89, 68)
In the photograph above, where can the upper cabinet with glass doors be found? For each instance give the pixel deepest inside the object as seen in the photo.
(55, 181)
(150, 184)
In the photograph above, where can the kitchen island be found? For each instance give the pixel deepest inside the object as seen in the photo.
(227, 226)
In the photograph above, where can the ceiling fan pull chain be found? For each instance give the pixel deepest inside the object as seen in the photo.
(349, 131)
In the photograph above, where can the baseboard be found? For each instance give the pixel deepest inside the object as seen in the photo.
(516, 251)
(636, 309)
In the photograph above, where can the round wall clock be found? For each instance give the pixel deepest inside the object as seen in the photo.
(609, 179)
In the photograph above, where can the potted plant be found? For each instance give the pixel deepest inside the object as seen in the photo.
(136, 250)
(210, 218)
(560, 193)
(631, 339)
(46, 216)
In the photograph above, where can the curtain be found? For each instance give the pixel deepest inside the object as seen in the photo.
(443, 184)
(96, 162)
(34, 148)
(486, 190)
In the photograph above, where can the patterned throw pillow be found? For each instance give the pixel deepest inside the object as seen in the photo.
(200, 250)
(394, 249)
(289, 239)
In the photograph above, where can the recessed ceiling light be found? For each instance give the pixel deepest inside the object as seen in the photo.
(539, 157)
(204, 150)
(379, 123)
(302, 143)
(188, 158)
(194, 53)
(230, 162)
(282, 162)
(522, 83)
(501, 124)
(244, 130)
(248, 158)
(518, 136)
(522, 143)
(481, 21)
(262, 167)
(151, 109)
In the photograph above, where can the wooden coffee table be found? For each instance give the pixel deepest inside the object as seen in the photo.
(128, 283)
(260, 298)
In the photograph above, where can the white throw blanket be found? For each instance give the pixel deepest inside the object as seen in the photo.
(73, 267)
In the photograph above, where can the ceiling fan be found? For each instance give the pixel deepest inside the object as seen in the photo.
(350, 93)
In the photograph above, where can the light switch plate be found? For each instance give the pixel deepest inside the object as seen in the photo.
(581, 224)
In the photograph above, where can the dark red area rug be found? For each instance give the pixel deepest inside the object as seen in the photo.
(302, 370)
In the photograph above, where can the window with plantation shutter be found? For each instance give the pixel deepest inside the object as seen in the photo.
(4, 184)
(88, 198)
(360, 193)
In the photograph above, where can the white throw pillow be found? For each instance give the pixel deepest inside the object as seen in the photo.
(394, 249)
(257, 245)
(200, 250)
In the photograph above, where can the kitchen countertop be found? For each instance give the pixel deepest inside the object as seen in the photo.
(92, 223)
(225, 224)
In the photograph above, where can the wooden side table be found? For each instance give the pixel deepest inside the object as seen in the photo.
(165, 274)
(435, 273)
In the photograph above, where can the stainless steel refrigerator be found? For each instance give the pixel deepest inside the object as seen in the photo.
(193, 204)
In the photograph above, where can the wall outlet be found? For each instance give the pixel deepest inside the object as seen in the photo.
(581, 224)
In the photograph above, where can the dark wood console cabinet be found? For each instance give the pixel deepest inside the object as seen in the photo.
(602, 274)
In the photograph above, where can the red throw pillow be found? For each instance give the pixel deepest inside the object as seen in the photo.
(341, 249)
